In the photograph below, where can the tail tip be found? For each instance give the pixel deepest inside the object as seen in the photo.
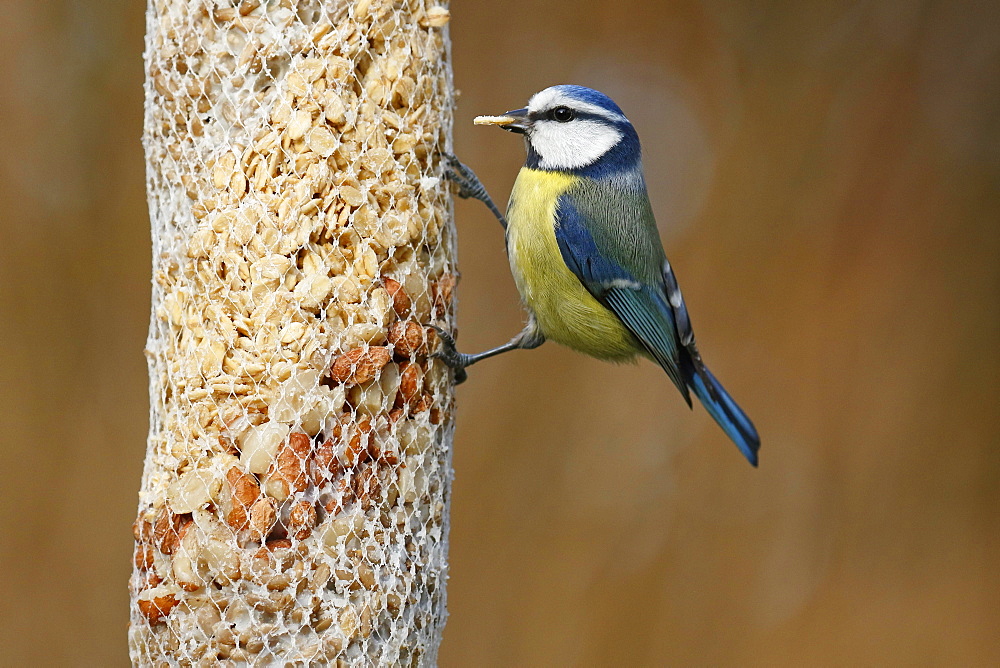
(749, 450)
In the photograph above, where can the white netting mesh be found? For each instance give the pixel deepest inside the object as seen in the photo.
(294, 501)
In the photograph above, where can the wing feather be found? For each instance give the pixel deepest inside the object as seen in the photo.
(643, 309)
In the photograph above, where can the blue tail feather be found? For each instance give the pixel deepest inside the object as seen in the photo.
(724, 410)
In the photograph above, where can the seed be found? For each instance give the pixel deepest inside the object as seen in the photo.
(411, 382)
(400, 300)
(361, 8)
(352, 196)
(262, 516)
(435, 17)
(408, 338)
(297, 126)
(293, 331)
(321, 141)
(298, 85)
(259, 445)
(360, 365)
(334, 108)
(192, 490)
(302, 519)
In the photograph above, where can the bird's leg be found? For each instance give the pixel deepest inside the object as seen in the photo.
(469, 185)
(529, 337)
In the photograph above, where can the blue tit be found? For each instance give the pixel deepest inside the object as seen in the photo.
(585, 252)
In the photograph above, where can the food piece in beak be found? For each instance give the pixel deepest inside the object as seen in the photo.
(514, 121)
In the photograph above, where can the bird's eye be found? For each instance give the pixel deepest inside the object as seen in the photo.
(562, 114)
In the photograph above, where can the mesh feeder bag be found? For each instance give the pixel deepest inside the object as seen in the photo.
(294, 502)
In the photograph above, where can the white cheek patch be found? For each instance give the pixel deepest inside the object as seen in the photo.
(572, 145)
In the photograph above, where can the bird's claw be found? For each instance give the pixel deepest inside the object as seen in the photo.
(466, 180)
(469, 185)
(448, 354)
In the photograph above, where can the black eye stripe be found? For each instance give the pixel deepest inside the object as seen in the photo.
(578, 115)
(589, 116)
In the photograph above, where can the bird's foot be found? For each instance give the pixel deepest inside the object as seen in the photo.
(461, 175)
(448, 354)
(469, 185)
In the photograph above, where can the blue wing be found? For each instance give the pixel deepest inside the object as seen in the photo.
(654, 312)
(642, 308)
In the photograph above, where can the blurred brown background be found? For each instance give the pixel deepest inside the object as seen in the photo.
(827, 180)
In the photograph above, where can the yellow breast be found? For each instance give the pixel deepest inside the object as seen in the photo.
(563, 308)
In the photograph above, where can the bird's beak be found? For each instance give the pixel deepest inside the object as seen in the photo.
(514, 121)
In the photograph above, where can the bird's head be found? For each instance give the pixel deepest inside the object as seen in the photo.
(572, 129)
